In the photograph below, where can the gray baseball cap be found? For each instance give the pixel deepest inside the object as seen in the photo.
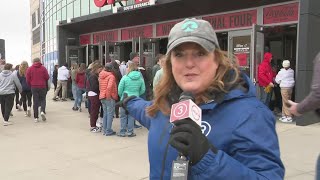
(193, 30)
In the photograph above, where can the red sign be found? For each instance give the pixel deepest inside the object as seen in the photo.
(110, 36)
(242, 58)
(282, 13)
(164, 28)
(143, 31)
(100, 3)
(85, 39)
(233, 20)
(141, 1)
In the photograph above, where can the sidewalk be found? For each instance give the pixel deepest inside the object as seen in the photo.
(64, 148)
(300, 147)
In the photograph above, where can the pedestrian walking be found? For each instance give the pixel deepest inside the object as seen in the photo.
(285, 78)
(26, 94)
(80, 81)
(8, 84)
(17, 94)
(117, 74)
(265, 79)
(159, 73)
(131, 84)
(108, 96)
(123, 68)
(74, 69)
(93, 95)
(37, 78)
(63, 76)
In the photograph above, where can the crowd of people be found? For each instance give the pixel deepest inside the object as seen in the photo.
(30, 82)
(102, 87)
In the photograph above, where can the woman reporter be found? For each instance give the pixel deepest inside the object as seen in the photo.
(237, 138)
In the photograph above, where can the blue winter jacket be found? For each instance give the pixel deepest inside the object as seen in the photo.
(240, 127)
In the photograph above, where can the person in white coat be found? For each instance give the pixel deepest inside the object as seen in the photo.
(63, 76)
(285, 78)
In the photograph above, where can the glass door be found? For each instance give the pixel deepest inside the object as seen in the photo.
(248, 47)
(257, 41)
(240, 46)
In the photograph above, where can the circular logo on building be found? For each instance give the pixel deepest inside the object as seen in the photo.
(100, 3)
(189, 26)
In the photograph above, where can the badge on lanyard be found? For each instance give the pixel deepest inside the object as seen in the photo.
(180, 168)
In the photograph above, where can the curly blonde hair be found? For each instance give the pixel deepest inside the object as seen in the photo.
(167, 91)
(23, 68)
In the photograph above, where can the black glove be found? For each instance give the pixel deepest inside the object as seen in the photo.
(125, 101)
(188, 139)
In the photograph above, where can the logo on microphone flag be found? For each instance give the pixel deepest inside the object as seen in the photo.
(186, 109)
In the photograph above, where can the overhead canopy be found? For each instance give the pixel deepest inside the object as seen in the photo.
(164, 10)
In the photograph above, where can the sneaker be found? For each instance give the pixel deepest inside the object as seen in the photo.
(64, 100)
(282, 118)
(80, 110)
(121, 134)
(43, 116)
(26, 114)
(287, 120)
(109, 133)
(36, 120)
(29, 111)
(75, 108)
(55, 99)
(99, 122)
(95, 130)
(6, 123)
(137, 126)
(19, 107)
(131, 134)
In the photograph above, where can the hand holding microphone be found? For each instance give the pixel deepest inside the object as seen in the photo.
(188, 139)
(186, 136)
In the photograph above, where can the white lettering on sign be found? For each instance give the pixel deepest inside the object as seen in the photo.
(135, 6)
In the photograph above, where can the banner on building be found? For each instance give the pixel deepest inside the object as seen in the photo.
(109, 36)
(142, 31)
(280, 14)
(232, 20)
(85, 39)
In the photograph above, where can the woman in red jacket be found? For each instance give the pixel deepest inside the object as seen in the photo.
(265, 79)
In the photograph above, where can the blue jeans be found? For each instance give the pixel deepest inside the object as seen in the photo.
(78, 100)
(108, 112)
(74, 93)
(265, 97)
(124, 120)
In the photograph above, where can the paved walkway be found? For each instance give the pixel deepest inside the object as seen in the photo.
(63, 148)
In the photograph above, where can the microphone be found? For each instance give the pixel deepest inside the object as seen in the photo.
(186, 109)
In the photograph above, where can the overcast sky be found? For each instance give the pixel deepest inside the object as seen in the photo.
(15, 29)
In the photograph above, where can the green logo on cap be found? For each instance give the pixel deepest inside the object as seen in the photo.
(189, 26)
